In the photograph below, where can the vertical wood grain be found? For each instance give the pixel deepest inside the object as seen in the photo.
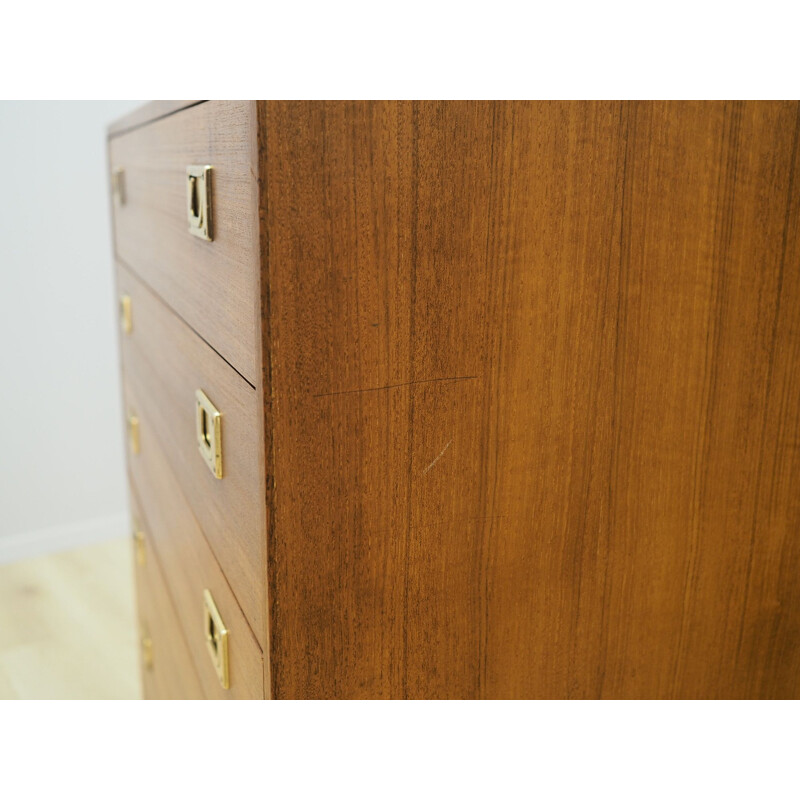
(533, 399)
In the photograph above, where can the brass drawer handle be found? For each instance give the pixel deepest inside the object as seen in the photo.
(209, 432)
(146, 644)
(216, 639)
(133, 433)
(139, 543)
(118, 185)
(125, 316)
(198, 200)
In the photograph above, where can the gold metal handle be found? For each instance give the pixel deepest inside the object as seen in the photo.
(139, 543)
(198, 200)
(125, 315)
(216, 639)
(133, 433)
(118, 185)
(146, 644)
(209, 432)
(194, 203)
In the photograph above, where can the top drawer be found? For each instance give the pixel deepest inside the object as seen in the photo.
(211, 284)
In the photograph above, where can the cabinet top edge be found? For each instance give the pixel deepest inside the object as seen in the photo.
(148, 113)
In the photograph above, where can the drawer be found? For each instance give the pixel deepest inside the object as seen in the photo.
(164, 363)
(175, 540)
(212, 285)
(168, 671)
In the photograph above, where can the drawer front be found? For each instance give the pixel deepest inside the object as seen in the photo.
(211, 284)
(168, 671)
(164, 364)
(190, 570)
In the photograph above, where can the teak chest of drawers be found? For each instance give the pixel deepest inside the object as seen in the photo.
(462, 400)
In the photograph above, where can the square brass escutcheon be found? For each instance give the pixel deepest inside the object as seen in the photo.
(133, 433)
(209, 432)
(198, 200)
(139, 542)
(125, 314)
(216, 639)
(118, 185)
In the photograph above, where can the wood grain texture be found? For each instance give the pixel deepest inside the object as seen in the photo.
(148, 113)
(190, 567)
(163, 364)
(533, 399)
(172, 674)
(211, 285)
(68, 628)
(263, 347)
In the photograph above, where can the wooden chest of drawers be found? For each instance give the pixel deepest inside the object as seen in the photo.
(469, 400)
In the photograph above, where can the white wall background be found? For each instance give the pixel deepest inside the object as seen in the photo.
(62, 469)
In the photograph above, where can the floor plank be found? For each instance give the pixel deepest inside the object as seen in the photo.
(67, 626)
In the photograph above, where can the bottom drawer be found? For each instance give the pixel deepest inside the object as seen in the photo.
(191, 570)
(168, 672)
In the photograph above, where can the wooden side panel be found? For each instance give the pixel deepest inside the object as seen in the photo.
(164, 363)
(212, 285)
(695, 549)
(535, 399)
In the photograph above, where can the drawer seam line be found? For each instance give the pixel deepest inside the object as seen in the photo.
(187, 324)
(200, 528)
(168, 590)
(135, 488)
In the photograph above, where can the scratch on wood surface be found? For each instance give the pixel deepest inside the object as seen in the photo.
(425, 471)
(397, 385)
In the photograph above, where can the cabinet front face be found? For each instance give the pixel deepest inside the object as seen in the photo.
(187, 270)
(168, 670)
(165, 364)
(163, 203)
(465, 399)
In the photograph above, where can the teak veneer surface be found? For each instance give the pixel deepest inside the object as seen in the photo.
(210, 284)
(178, 543)
(148, 113)
(163, 364)
(171, 673)
(535, 399)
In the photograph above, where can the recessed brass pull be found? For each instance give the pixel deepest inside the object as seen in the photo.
(118, 185)
(216, 639)
(126, 318)
(139, 543)
(133, 433)
(209, 432)
(198, 200)
(146, 644)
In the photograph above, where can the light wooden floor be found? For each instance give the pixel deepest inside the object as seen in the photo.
(67, 625)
